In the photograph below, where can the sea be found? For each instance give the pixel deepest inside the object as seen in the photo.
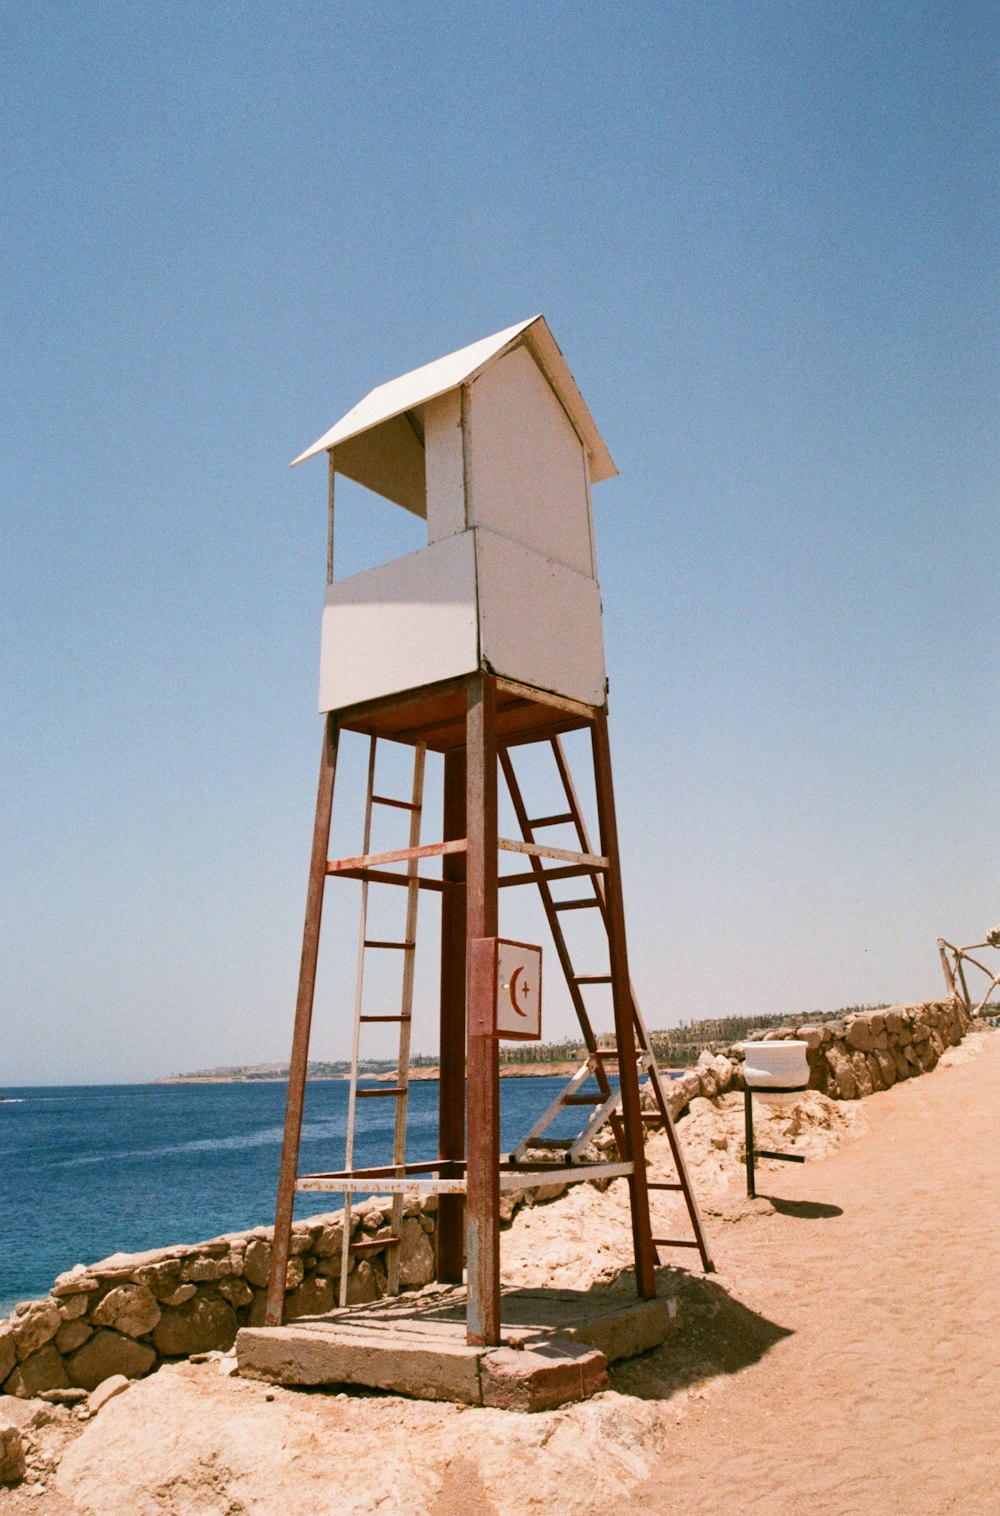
(90, 1170)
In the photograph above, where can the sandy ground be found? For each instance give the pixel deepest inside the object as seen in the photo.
(844, 1359)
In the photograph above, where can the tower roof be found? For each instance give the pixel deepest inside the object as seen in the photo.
(397, 397)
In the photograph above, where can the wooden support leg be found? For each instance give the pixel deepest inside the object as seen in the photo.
(642, 1235)
(451, 1110)
(483, 1191)
(300, 1041)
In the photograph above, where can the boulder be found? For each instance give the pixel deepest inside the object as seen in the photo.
(860, 1035)
(257, 1262)
(70, 1307)
(33, 1324)
(129, 1308)
(116, 1384)
(859, 1064)
(75, 1281)
(236, 1291)
(197, 1326)
(205, 1270)
(903, 1070)
(313, 1298)
(887, 1066)
(108, 1353)
(8, 1353)
(842, 1072)
(177, 1297)
(362, 1285)
(44, 1370)
(161, 1277)
(72, 1335)
(11, 1454)
(416, 1256)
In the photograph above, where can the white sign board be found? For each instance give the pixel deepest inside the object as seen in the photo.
(519, 991)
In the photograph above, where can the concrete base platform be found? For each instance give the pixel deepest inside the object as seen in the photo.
(556, 1347)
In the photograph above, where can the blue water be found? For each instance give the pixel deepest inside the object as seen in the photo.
(90, 1170)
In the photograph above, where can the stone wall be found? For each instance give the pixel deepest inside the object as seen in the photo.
(130, 1312)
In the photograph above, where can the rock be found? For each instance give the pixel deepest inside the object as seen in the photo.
(416, 1256)
(312, 1298)
(72, 1335)
(62, 1397)
(12, 1464)
(33, 1324)
(842, 1072)
(108, 1388)
(183, 1292)
(903, 1070)
(329, 1241)
(8, 1353)
(74, 1282)
(887, 1067)
(197, 1326)
(860, 1035)
(510, 1203)
(257, 1263)
(160, 1277)
(236, 1291)
(108, 1353)
(129, 1308)
(44, 1370)
(874, 1071)
(893, 1022)
(859, 1064)
(71, 1307)
(362, 1285)
(205, 1270)
(927, 1055)
(921, 1033)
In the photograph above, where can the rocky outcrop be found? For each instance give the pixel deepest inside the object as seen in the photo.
(132, 1312)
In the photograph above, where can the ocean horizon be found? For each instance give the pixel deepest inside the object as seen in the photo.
(90, 1170)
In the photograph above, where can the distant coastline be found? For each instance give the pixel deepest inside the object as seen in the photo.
(265, 1073)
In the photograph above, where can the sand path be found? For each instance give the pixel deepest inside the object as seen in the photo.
(884, 1269)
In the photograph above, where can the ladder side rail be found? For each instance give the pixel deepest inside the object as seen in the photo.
(639, 1025)
(628, 1082)
(359, 985)
(406, 1012)
(558, 937)
(545, 1121)
(299, 1063)
(677, 1152)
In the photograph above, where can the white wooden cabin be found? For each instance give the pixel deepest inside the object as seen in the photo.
(495, 448)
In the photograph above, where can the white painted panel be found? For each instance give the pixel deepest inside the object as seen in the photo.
(388, 460)
(540, 622)
(404, 624)
(445, 466)
(519, 991)
(414, 389)
(527, 464)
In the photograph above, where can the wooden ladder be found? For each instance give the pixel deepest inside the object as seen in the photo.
(606, 1101)
(399, 1092)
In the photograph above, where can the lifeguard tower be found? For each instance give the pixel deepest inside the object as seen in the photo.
(487, 638)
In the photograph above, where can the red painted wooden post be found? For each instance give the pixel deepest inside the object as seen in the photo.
(451, 1110)
(300, 1038)
(483, 1187)
(642, 1235)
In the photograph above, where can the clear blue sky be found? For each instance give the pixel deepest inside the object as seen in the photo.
(765, 236)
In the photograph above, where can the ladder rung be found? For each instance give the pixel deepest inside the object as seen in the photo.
(373, 942)
(551, 820)
(385, 1018)
(399, 805)
(575, 905)
(591, 978)
(595, 1099)
(372, 1245)
(556, 1143)
(663, 1185)
(391, 1089)
(651, 1116)
(674, 1242)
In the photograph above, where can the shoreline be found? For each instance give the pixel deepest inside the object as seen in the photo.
(430, 1072)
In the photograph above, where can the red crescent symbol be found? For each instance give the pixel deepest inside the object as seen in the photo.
(512, 987)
